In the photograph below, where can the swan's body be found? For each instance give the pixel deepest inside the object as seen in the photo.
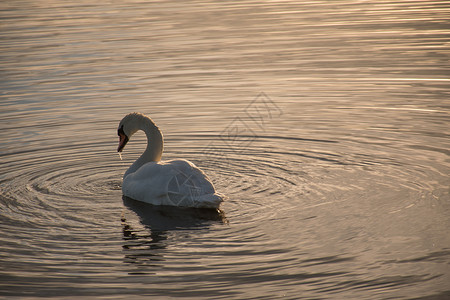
(176, 182)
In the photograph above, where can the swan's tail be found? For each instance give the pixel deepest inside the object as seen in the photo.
(209, 200)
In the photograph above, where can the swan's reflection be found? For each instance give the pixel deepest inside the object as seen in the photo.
(145, 247)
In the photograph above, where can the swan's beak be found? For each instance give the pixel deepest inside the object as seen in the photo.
(123, 140)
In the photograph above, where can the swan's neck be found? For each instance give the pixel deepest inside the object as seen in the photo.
(155, 141)
(155, 144)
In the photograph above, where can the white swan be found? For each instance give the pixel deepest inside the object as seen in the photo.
(176, 182)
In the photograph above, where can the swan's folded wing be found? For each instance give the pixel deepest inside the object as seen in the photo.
(176, 183)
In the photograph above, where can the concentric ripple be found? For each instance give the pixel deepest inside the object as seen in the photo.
(59, 182)
(72, 196)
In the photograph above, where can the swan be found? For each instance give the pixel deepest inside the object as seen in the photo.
(174, 182)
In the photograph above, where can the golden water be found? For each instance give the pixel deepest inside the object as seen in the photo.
(325, 123)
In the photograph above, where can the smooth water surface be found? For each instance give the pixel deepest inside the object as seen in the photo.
(325, 123)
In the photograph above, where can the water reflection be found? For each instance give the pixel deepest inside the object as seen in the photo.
(163, 218)
(145, 247)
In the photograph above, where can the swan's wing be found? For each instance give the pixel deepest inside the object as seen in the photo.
(148, 183)
(176, 182)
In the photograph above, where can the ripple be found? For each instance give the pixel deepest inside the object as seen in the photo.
(52, 185)
(68, 200)
(262, 182)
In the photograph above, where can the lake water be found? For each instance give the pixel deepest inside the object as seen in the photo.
(325, 123)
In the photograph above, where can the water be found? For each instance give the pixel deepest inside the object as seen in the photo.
(325, 123)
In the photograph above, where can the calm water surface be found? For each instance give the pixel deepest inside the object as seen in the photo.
(326, 124)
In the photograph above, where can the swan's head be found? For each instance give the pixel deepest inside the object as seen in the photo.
(127, 127)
